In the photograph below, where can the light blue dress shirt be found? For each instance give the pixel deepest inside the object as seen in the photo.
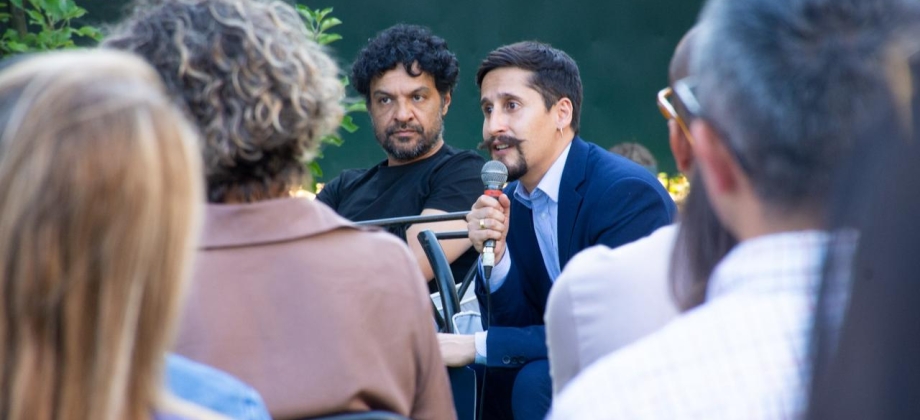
(543, 202)
(213, 389)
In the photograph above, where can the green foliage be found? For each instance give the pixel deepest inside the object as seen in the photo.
(40, 25)
(318, 22)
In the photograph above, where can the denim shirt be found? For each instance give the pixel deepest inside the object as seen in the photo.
(213, 389)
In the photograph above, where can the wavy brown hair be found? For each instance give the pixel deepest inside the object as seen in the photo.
(261, 92)
(99, 198)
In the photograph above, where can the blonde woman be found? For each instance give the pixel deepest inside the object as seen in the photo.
(100, 188)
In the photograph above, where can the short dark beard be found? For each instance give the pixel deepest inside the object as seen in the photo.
(427, 140)
(517, 170)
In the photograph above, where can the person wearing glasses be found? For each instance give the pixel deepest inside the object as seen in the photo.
(607, 297)
(779, 91)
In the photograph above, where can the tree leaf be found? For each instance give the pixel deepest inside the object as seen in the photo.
(66, 6)
(90, 32)
(348, 124)
(53, 9)
(332, 139)
(74, 13)
(36, 17)
(326, 39)
(44, 40)
(328, 23)
(315, 169)
(17, 3)
(356, 107)
(59, 39)
(17, 47)
(306, 13)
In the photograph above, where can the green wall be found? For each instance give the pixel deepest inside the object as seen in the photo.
(622, 48)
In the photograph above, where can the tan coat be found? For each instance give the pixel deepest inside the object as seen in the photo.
(318, 315)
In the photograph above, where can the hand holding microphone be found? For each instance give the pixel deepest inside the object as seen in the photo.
(489, 215)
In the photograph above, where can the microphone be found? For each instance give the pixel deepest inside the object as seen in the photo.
(494, 175)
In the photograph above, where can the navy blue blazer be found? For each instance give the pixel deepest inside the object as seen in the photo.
(603, 199)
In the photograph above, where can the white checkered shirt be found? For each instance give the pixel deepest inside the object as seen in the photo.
(741, 355)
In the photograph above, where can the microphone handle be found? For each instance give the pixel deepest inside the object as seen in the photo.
(488, 249)
(488, 258)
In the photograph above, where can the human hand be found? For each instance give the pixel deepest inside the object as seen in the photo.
(488, 219)
(457, 350)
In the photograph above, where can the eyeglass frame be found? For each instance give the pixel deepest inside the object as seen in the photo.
(683, 90)
(670, 113)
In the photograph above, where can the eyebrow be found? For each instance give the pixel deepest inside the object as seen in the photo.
(419, 90)
(501, 95)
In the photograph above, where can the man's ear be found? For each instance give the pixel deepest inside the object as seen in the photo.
(715, 160)
(445, 103)
(563, 112)
(680, 147)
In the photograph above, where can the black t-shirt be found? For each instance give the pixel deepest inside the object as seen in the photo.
(448, 181)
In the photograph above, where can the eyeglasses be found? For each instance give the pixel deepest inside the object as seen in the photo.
(669, 113)
(685, 91)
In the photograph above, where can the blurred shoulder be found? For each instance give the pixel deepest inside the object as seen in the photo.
(601, 260)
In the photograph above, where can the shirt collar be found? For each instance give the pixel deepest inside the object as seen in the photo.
(549, 184)
(268, 221)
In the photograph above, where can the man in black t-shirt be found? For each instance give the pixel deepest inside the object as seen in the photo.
(406, 75)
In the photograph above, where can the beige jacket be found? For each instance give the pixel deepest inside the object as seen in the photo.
(318, 315)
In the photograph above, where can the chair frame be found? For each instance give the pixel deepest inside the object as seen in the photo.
(444, 278)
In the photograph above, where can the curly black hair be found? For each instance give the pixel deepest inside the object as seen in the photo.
(406, 44)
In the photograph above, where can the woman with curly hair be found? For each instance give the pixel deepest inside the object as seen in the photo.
(319, 315)
(99, 202)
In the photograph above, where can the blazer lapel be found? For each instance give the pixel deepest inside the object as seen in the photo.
(570, 198)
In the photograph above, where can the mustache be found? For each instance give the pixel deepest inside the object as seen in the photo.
(509, 140)
(391, 130)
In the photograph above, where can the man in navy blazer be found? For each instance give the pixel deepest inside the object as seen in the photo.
(568, 195)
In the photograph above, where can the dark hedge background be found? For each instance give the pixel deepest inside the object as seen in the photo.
(622, 48)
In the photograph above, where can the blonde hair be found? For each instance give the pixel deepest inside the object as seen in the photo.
(100, 196)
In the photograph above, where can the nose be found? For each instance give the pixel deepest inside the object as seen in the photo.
(403, 111)
(495, 124)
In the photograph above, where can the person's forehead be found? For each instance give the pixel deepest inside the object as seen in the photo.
(399, 76)
(507, 81)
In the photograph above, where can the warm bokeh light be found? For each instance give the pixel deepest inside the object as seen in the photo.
(678, 186)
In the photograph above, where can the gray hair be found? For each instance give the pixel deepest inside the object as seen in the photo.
(789, 83)
(260, 90)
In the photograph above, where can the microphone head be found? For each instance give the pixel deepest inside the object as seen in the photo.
(494, 174)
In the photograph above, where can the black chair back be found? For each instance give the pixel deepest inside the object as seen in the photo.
(450, 302)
